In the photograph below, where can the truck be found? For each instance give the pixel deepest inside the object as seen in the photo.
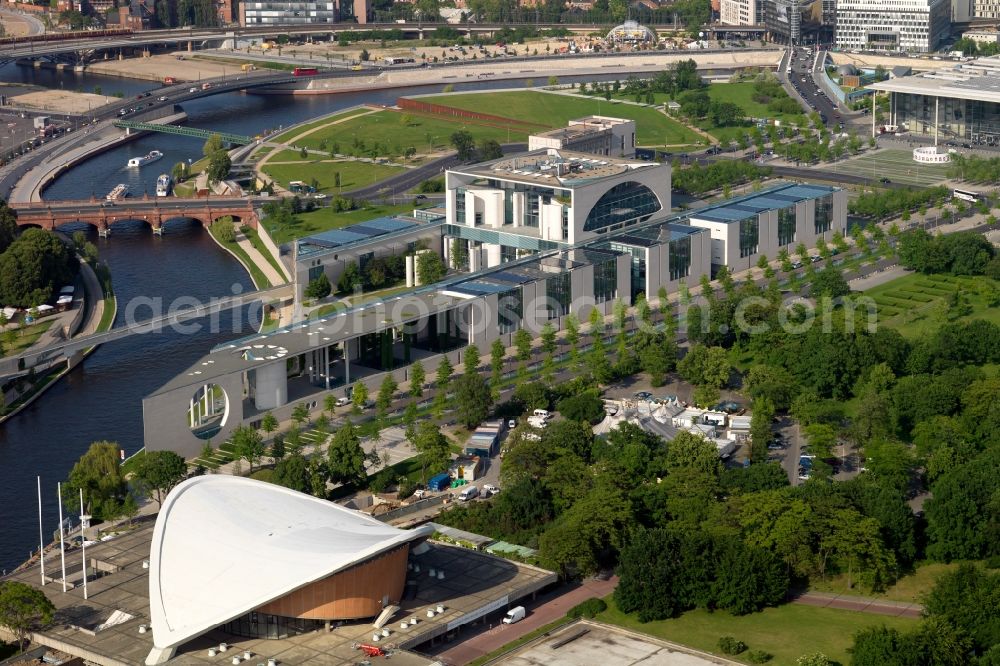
(439, 482)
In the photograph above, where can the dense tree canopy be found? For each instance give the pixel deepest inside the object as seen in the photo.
(98, 473)
(33, 268)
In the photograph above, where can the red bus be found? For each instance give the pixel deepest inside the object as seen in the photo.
(305, 71)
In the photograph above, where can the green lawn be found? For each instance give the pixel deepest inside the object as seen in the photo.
(340, 115)
(653, 127)
(910, 588)
(388, 133)
(741, 94)
(258, 244)
(353, 174)
(24, 337)
(787, 632)
(324, 219)
(256, 274)
(916, 305)
(896, 165)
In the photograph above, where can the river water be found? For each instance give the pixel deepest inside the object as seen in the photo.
(102, 398)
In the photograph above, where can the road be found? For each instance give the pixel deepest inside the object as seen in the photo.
(410, 178)
(31, 25)
(547, 608)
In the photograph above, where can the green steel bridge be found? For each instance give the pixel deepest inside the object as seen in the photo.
(234, 139)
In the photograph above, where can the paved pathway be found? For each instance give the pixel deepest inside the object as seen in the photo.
(860, 604)
(547, 608)
(260, 261)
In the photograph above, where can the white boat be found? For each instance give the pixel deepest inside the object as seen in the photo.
(149, 157)
(120, 191)
(163, 184)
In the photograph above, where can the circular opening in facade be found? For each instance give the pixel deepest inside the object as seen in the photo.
(208, 411)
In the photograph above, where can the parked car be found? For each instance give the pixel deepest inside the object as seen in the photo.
(489, 490)
(468, 493)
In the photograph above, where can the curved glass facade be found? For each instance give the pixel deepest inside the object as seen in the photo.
(625, 202)
(265, 625)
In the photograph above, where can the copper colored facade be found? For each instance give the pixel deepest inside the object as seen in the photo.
(351, 594)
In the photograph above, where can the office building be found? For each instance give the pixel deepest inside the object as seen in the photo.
(741, 12)
(767, 222)
(597, 135)
(961, 103)
(546, 199)
(902, 25)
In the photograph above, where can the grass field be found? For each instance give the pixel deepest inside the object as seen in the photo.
(389, 133)
(910, 588)
(653, 127)
(787, 632)
(353, 174)
(24, 337)
(896, 165)
(741, 94)
(324, 219)
(292, 133)
(259, 279)
(916, 304)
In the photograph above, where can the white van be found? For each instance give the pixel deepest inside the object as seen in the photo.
(470, 492)
(515, 614)
(541, 413)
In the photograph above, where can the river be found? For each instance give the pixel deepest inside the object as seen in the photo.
(102, 398)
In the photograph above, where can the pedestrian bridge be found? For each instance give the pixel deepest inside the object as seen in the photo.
(227, 137)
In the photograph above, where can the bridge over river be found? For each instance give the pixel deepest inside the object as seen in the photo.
(155, 211)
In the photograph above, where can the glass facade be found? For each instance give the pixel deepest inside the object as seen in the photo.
(460, 206)
(606, 280)
(507, 254)
(786, 226)
(510, 310)
(508, 206)
(749, 236)
(264, 625)
(638, 255)
(679, 258)
(557, 295)
(625, 202)
(531, 210)
(824, 214)
(969, 120)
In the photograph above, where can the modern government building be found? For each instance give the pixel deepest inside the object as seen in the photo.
(960, 103)
(529, 239)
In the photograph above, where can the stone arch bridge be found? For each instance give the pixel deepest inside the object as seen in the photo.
(105, 214)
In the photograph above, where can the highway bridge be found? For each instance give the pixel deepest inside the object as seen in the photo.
(215, 36)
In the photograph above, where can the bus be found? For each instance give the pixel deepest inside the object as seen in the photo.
(397, 61)
(967, 195)
(305, 71)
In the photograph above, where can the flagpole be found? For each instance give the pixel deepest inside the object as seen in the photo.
(41, 537)
(62, 548)
(83, 545)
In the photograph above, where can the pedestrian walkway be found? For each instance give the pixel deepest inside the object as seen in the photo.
(860, 604)
(259, 260)
(546, 609)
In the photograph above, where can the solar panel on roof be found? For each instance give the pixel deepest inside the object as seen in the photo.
(339, 236)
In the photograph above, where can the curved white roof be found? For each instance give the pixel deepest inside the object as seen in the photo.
(224, 545)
